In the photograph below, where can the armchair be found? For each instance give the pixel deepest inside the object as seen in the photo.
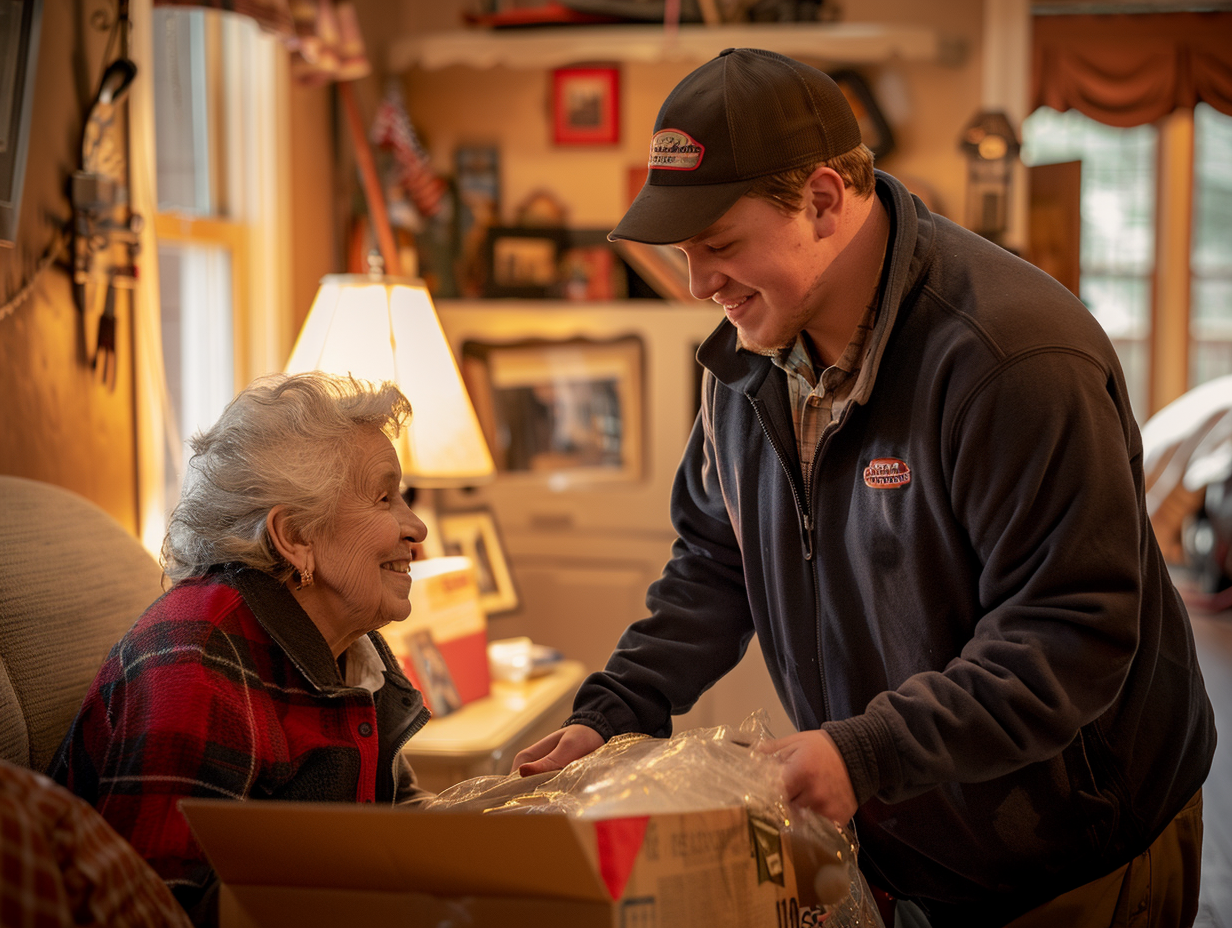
(72, 581)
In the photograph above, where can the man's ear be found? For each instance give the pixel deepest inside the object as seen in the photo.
(825, 197)
(296, 551)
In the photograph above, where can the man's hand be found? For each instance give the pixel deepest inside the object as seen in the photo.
(557, 750)
(814, 774)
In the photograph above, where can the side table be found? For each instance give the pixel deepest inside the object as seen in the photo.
(484, 735)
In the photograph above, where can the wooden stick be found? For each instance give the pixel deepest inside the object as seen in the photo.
(372, 184)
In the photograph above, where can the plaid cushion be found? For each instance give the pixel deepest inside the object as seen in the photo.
(61, 863)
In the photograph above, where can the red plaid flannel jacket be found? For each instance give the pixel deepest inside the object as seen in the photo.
(225, 688)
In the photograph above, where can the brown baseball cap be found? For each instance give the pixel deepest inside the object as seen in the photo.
(740, 116)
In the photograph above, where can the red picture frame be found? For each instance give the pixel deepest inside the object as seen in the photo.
(586, 106)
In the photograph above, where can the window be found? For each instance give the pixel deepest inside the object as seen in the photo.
(1117, 247)
(1121, 239)
(219, 138)
(1210, 263)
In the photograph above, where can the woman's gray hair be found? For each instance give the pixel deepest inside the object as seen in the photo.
(286, 439)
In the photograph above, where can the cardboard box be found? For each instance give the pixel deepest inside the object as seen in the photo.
(310, 864)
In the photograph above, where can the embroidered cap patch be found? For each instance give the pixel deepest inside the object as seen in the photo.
(887, 474)
(673, 150)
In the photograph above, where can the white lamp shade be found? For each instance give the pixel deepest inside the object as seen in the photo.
(385, 328)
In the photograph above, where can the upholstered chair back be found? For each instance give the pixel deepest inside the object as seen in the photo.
(72, 581)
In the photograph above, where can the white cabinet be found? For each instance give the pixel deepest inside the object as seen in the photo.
(583, 550)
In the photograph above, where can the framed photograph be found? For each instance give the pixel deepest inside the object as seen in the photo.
(523, 262)
(431, 675)
(473, 534)
(19, 44)
(590, 270)
(563, 412)
(592, 273)
(586, 106)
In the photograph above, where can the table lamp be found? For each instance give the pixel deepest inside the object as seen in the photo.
(376, 328)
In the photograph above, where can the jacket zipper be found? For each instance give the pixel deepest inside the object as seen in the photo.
(421, 719)
(806, 525)
(805, 518)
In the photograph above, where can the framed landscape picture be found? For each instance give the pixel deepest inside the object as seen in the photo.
(553, 411)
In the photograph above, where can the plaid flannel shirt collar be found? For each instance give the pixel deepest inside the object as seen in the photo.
(818, 400)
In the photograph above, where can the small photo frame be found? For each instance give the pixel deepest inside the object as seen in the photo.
(473, 534)
(590, 268)
(431, 674)
(586, 106)
(560, 412)
(523, 261)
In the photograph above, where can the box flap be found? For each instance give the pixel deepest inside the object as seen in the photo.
(255, 842)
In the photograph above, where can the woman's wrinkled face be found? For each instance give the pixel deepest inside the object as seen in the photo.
(363, 563)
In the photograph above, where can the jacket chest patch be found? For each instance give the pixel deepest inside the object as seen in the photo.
(887, 474)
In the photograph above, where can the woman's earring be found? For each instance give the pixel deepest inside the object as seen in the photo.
(305, 578)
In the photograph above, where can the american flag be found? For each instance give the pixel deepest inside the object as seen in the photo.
(392, 130)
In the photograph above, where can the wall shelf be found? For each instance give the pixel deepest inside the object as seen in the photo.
(832, 43)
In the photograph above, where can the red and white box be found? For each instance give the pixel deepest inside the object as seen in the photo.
(443, 645)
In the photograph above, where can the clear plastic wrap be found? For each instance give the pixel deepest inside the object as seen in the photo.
(695, 770)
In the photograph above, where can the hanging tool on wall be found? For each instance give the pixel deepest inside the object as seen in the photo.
(98, 194)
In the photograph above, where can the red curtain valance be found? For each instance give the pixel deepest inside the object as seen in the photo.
(1130, 69)
(323, 36)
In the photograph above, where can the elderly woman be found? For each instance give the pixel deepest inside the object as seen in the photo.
(260, 673)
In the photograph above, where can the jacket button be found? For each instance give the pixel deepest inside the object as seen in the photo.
(365, 729)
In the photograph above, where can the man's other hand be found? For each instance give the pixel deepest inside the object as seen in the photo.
(557, 750)
(814, 774)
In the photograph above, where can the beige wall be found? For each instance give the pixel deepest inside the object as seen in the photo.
(511, 109)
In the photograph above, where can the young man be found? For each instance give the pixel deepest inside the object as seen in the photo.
(916, 477)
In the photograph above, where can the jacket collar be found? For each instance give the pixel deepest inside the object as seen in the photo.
(287, 623)
(912, 232)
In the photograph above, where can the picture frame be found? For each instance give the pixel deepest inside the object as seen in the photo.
(474, 534)
(432, 674)
(553, 262)
(565, 412)
(523, 261)
(590, 268)
(586, 106)
(20, 25)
